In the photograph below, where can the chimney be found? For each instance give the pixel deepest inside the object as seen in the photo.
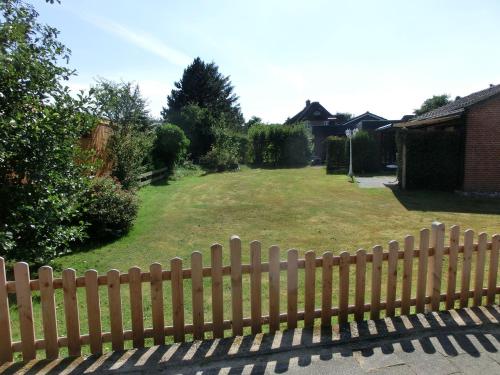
(308, 102)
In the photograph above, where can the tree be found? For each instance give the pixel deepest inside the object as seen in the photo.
(432, 103)
(254, 120)
(203, 85)
(170, 146)
(123, 106)
(43, 176)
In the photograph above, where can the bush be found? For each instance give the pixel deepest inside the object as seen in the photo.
(279, 145)
(336, 157)
(224, 154)
(170, 146)
(365, 157)
(110, 210)
(433, 159)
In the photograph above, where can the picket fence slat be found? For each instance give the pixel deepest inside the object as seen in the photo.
(469, 260)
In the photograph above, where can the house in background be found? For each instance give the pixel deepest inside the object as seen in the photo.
(323, 124)
(476, 120)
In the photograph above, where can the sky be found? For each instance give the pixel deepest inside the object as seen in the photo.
(381, 56)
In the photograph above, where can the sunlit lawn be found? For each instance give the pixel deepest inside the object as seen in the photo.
(293, 208)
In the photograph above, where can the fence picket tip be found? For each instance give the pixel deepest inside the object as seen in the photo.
(133, 268)
(234, 237)
(255, 242)
(360, 251)
(327, 253)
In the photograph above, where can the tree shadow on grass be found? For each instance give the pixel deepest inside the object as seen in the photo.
(426, 200)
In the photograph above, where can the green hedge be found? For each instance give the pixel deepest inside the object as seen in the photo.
(433, 159)
(365, 156)
(279, 145)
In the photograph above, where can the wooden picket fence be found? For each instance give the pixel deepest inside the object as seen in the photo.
(426, 295)
(152, 176)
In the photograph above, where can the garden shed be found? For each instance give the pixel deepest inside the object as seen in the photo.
(454, 147)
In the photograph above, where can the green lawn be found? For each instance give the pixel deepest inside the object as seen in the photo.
(301, 208)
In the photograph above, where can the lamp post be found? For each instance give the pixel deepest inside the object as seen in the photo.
(349, 134)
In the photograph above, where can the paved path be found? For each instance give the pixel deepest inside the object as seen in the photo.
(457, 342)
(376, 181)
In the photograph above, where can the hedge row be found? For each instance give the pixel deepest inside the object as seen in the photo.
(433, 159)
(365, 156)
(279, 145)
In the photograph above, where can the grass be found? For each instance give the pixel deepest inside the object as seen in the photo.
(293, 208)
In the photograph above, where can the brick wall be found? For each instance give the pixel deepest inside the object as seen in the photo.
(482, 147)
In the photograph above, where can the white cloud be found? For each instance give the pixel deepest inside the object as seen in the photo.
(141, 39)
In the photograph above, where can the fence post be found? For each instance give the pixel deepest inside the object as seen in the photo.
(236, 286)
(482, 241)
(452, 267)
(177, 299)
(359, 303)
(5, 332)
(466, 268)
(434, 274)
(392, 273)
(343, 287)
(274, 288)
(71, 312)
(255, 287)
(326, 297)
(157, 303)
(93, 311)
(197, 295)
(217, 292)
(493, 272)
(310, 288)
(49, 320)
(136, 309)
(407, 275)
(423, 260)
(376, 282)
(115, 309)
(292, 287)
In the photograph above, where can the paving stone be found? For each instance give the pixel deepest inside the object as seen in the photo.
(375, 359)
(423, 363)
(483, 365)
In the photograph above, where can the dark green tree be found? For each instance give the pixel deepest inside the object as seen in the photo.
(122, 105)
(43, 176)
(432, 103)
(254, 120)
(203, 85)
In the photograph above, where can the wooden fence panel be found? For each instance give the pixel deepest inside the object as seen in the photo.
(392, 273)
(25, 309)
(115, 309)
(407, 275)
(436, 266)
(5, 331)
(274, 288)
(177, 299)
(423, 260)
(292, 281)
(359, 304)
(136, 308)
(93, 311)
(493, 271)
(479, 274)
(255, 287)
(452, 266)
(71, 312)
(217, 291)
(376, 282)
(197, 295)
(157, 304)
(236, 286)
(343, 286)
(49, 320)
(326, 296)
(466, 268)
(310, 288)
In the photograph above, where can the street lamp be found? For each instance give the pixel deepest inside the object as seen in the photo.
(349, 134)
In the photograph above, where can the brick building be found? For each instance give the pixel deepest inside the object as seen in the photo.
(477, 119)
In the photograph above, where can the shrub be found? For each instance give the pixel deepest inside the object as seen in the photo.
(224, 154)
(433, 159)
(170, 146)
(336, 157)
(110, 210)
(279, 145)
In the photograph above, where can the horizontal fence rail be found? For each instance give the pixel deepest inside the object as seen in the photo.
(152, 176)
(419, 287)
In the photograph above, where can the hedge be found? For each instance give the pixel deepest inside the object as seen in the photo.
(365, 156)
(279, 145)
(433, 159)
